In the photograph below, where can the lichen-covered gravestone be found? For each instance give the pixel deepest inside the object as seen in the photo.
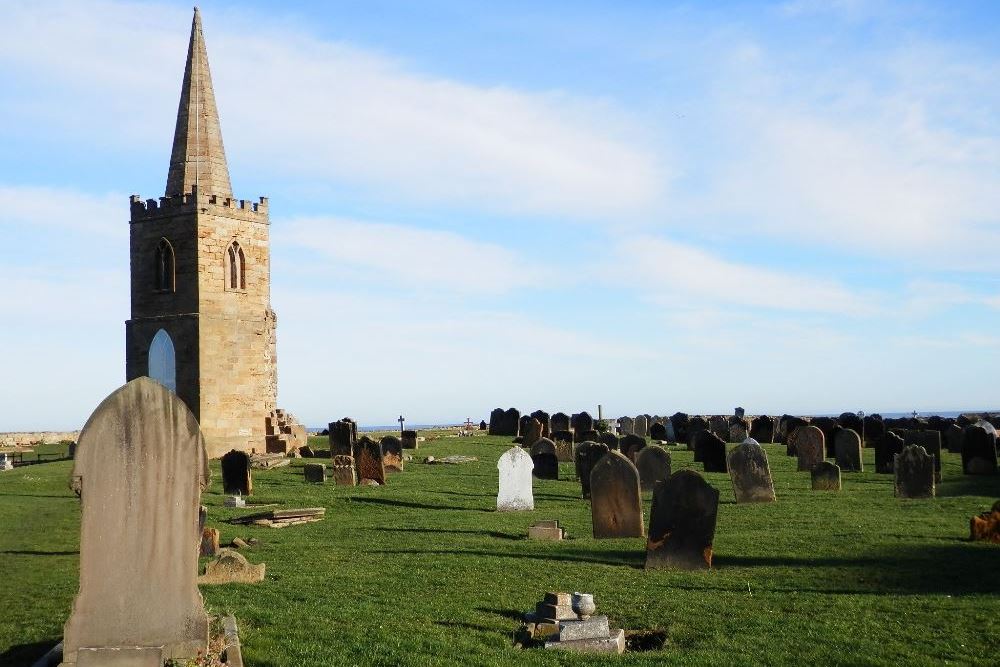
(368, 459)
(615, 500)
(140, 470)
(682, 523)
(543, 455)
(314, 472)
(236, 478)
(810, 446)
(653, 464)
(342, 470)
(585, 457)
(914, 469)
(848, 450)
(392, 453)
(886, 449)
(826, 476)
(751, 474)
(979, 451)
(515, 492)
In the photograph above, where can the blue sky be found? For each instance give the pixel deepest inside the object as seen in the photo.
(789, 206)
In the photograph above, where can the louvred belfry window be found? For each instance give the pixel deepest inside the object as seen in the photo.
(236, 265)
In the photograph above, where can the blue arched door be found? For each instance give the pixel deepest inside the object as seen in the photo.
(162, 363)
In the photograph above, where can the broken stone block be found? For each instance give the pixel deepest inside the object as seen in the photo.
(595, 627)
(546, 530)
(555, 612)
(231, 567)
(613, 644)
(315, 472)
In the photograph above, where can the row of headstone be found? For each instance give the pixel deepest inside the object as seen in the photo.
(505, 422)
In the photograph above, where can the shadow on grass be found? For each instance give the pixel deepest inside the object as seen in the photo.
(453, 531)
(512, 614)
(971, 485)
(617, 558)
(37, 495)
(41, 553)
(466, 626)
(420, 506)
(26, 654)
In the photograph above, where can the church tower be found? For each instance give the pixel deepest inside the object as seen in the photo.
(201, 320)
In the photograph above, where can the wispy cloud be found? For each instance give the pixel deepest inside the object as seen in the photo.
(47, 207)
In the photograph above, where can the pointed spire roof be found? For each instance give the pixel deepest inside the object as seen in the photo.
(198, 156)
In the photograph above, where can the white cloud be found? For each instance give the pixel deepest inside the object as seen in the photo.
(40, 207)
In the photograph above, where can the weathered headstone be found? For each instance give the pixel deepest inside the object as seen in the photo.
(564, 451)
(631, 445)
(582, 423)
(886, 449)
(515, 492)
(653, 464)
(979, 451)
(343, 437)
(738, 432)
(314, 472)
(342, 470)
(504, 422)
(695, 424)
(559, 422)
(586, 456)
(931, 442)
(611, 440)
(719, 425)
(826, 476)
(625, 425)
(640, 426)
(680, 421)
(697, 444)
(392, 453)
(236, 478)
(531, 431)
(953, 439)
(410, 440)
(140, 470)
(209, 542)
(762, 429)
(615, 500)
(713, 452)
(848, 451)
(658, 432)
(593, 435)
(874, 429)
(368, 460)
(915, 473)
(682, 523)
(751, 474)
(545, 459)
(810, 445)
(543, 417)
(483, 425)
(854, 422)
(786, 427)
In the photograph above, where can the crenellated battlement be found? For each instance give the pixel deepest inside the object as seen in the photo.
(151, 209)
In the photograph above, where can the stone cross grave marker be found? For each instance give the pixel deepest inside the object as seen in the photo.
(615, 500)
(515, 492)
(848, 450)
(810, 446)
(914, 469)
(585, 457)
(140, 471)
(751, 474)
(653, 464)
(543, 455)
(682, 523)
(236, 477)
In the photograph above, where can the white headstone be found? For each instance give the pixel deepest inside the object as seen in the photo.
(515, 468)
(5, 462)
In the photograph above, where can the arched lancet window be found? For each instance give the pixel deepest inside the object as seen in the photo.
(236, 275)
(162, 362)
(163, 267)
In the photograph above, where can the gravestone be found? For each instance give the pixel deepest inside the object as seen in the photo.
(583, 427)
(368, 460)
(592, 435)
(682, 523)
(496, 421)
(697, 445)
(515, 492)
(640, 426)
(886, 449)
(931, 442)
(615, 500)
(236, 478)
(343, 437)
(342, 470)
(545, 459)
(653, 464)
(826, 476)
(786, 426)
(874, 429)
(410, 440)
(680, 421)
(564, 451)
(392, 453)
(750, 473)
(848, 451)
(953, 439)
(140, 470)
(562, 436)
(671, 433)
(625, 425)
(559, 422)
(531, 431)
(314, 472)
(542, 417)
(695, 424)
(830, 428)
(738, 432)
(854, 422)
(719, 425)
(209, 542)
(483, 425)
(586, 456)
(979, 452)
(713, 452)
(915, 472)
(631, 445)
(611, 440)
(810, 445)
(504, 422)
(658, 431)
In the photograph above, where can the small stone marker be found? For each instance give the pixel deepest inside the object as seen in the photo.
(826, 476)
(342, 470)
(653, 464)
(979, 451)
(314, 472)
(368, 460)
(140, 470)
(886, 449)
(515, 492)
(546, 530)
(234, 501)
(751, 474)
(631, 445)
(713, 453)
(231, 567)
(410, 440)
(615, 500)
(586, 456)
(810, 446)
(543, 455)
(236, 477)
(392, 453)
(682, 523)
(848, 450)
(914, 473)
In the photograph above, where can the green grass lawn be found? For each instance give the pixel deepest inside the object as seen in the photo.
(423, 571)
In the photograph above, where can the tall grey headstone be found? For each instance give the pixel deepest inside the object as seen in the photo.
(750, 473)
(515, 493)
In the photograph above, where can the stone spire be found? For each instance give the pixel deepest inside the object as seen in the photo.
(198, 156)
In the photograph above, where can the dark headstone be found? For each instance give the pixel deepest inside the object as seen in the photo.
(314, 472)
(886, 449)
(559, 422)
(719, 425)
(874, 429)
(610, 439)
(739, 413)
(368, 459)
(930, 440)
(762, 429)
(979, 451)
(786, 426)
(342, 470)
(810, 443)
(236, 477)
(343, 437)
(953, 439)
(410, 440)
(658, 432)
(852, 421)
(631, 444)
(682, 523)
(592, 434)
(791, 438)
(582, 421)
(483, 425)
(586, 456)
(531, 431)
(915, 472)
(625, 425)
(697, 445)
(826, 476)
(543, 417)
(713, 453)
(504, 422)
(739, 429)
(848, 450)
(562, 436)
(680, 422)
(543, 454)
(695, 424)
(653, 464)
(750, 473)
(830, 428)
(615, 500)
(392, 453)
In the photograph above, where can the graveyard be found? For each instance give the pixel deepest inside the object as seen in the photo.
(425, 570)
